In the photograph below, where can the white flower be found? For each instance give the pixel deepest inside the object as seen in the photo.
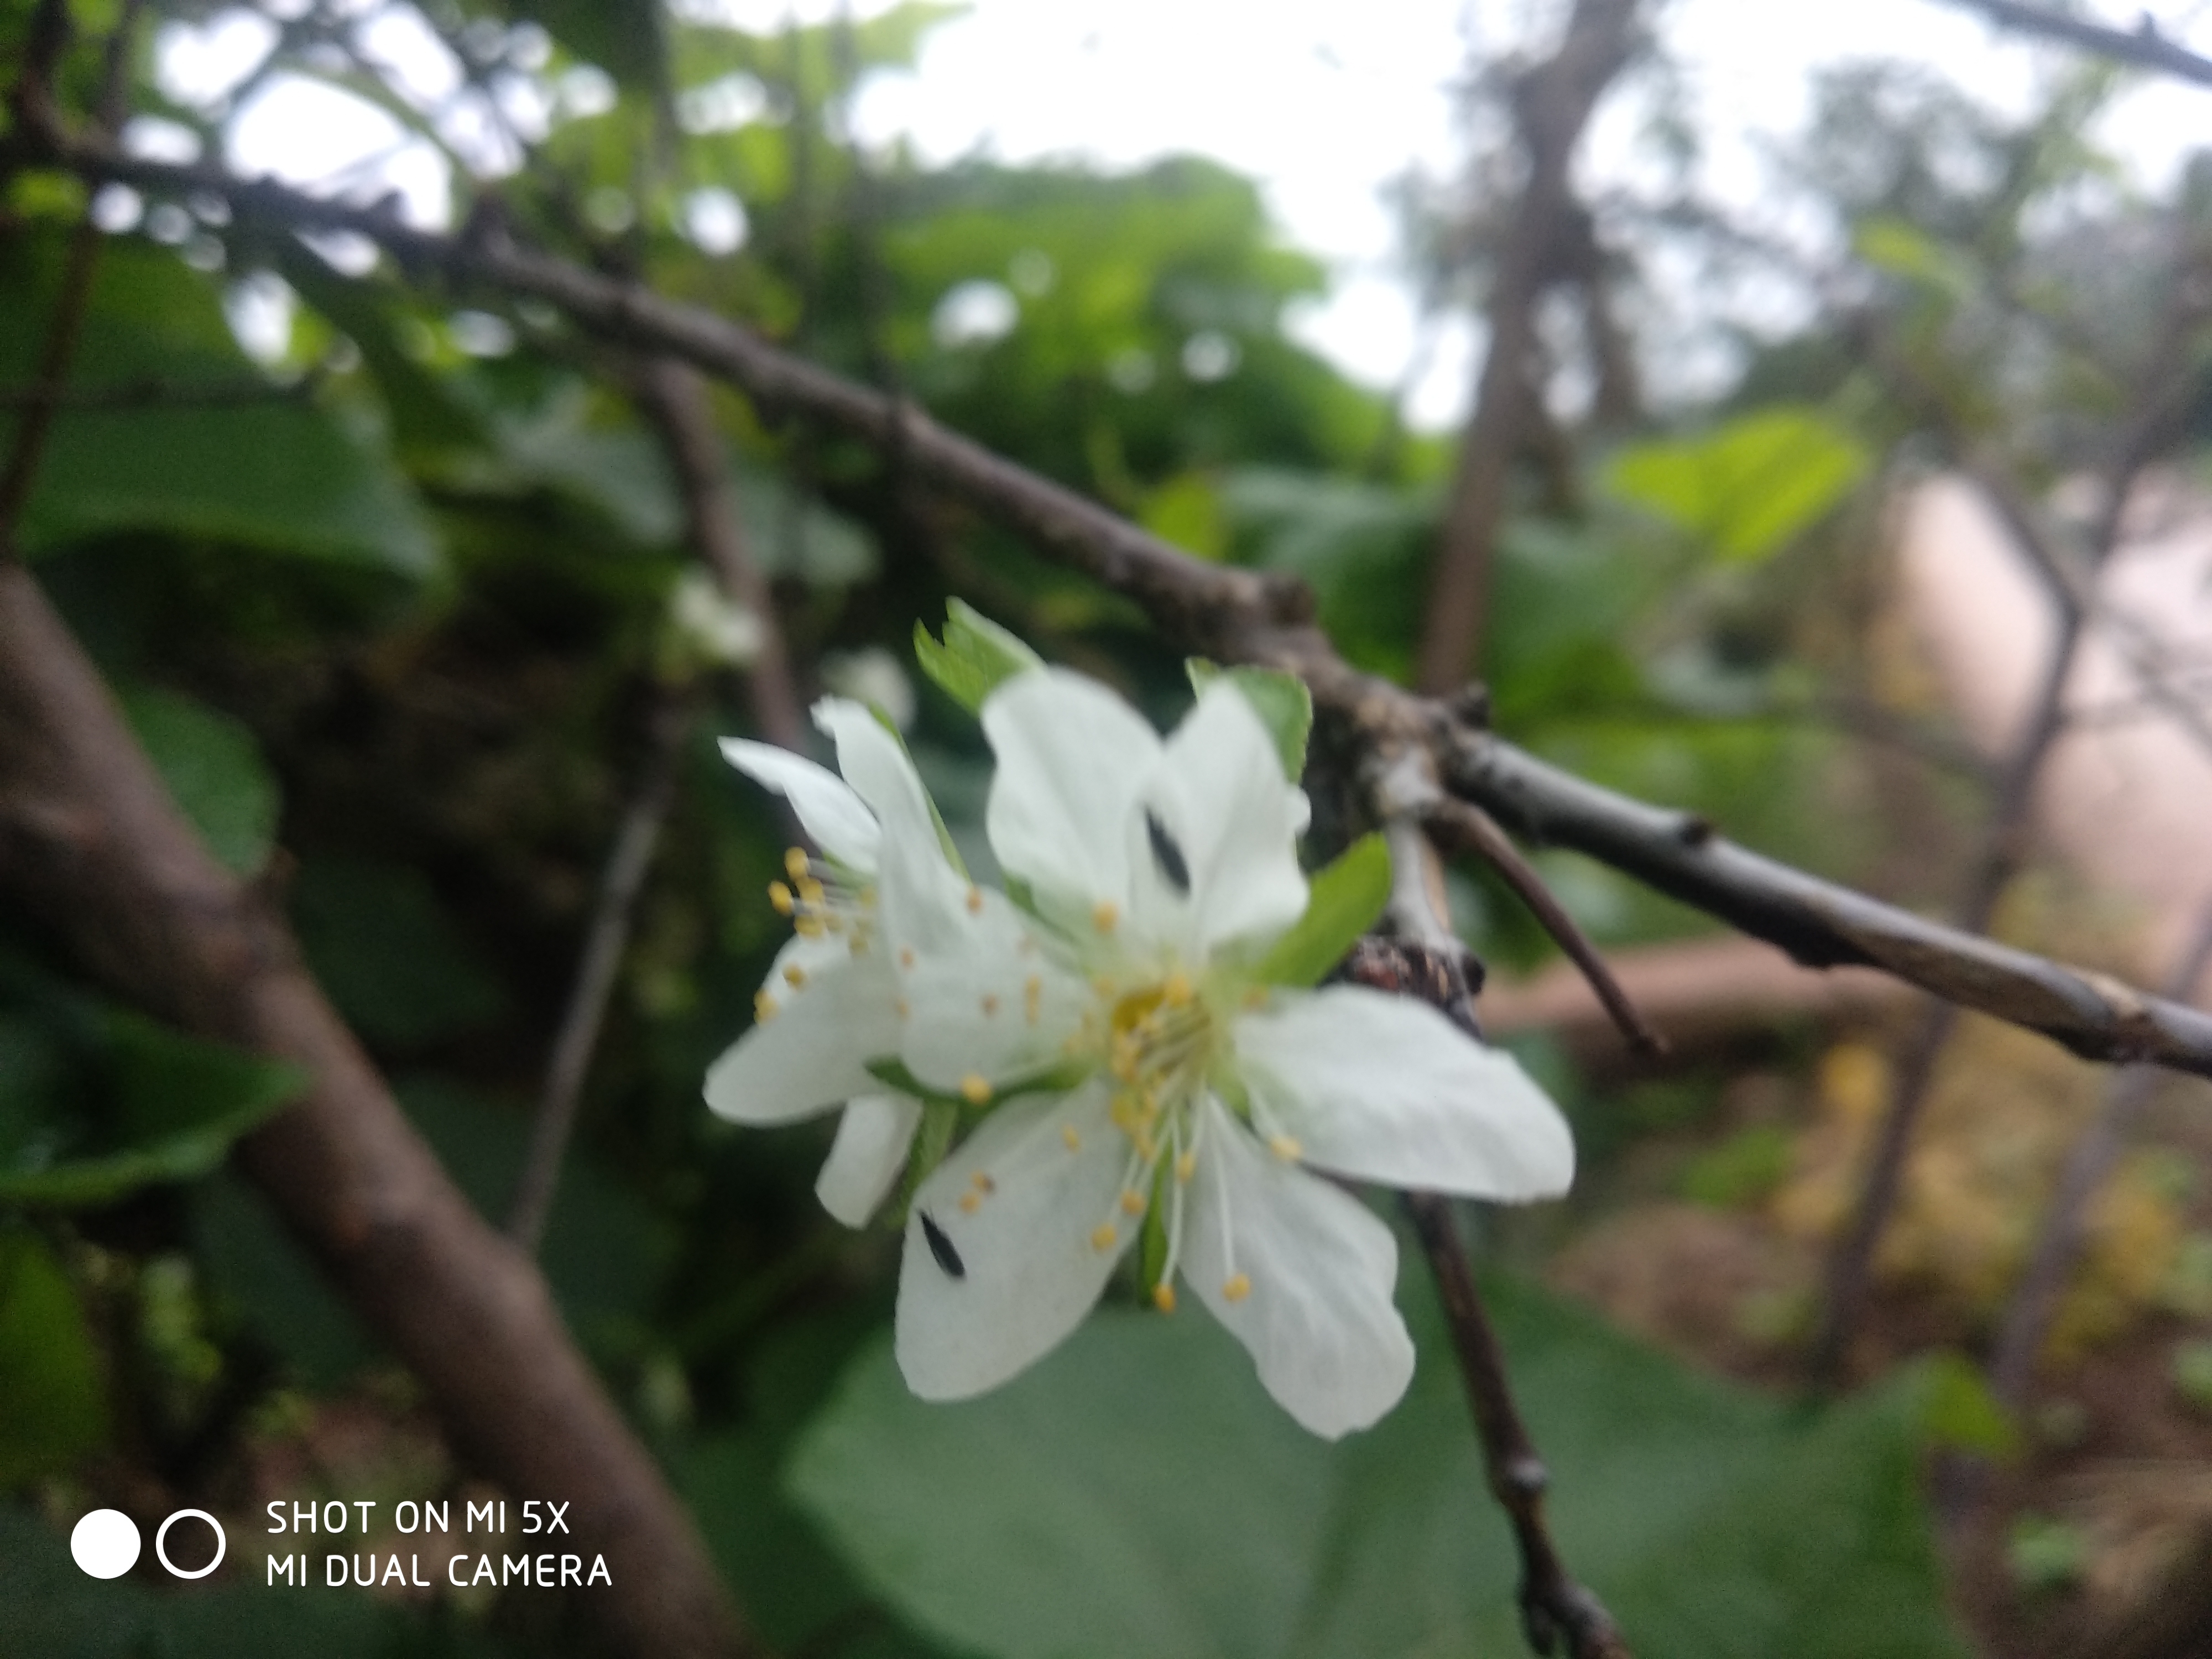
(1140, 1074)
(832, 1002)
(710, 626)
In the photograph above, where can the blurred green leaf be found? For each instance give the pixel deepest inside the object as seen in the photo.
(1281, 700)
(52, 1401)
(1747, 487)
(976, 657)
(1902, 249)
(1742, 1170)
(386, 954)
(279, 474)
(1343, 899)
(264, 1277)
(214, 768)
(1137, 1492)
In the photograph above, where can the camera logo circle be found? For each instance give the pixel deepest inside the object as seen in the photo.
(161, 1541)
(106, 1543)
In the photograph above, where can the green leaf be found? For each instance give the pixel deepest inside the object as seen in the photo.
(51, 1411)
(1748, 488)
(1902, 249)
(1281, 700)
(214, 768)
(1137, 1494)
(279, 474)
(1342, 902)
(977, 656)
(395, 967)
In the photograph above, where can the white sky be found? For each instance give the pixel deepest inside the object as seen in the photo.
(1326, 102)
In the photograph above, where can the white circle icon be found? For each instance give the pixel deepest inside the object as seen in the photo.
(105, 1543)
(162, 1539)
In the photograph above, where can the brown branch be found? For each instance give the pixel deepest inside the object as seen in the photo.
(1554, 1606)
(1551, 103)
(1463, 827)
(91, 843)
(1235, 615)
(636, 838)
(2142, 47)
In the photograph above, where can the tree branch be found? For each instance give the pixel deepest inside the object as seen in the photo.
(2142, 47)
(92, 844)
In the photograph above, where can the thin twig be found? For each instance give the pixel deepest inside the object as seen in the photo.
(1554, 1606)
(2142, 47)
(1463, 827)
(1235, 615)
(628, 865)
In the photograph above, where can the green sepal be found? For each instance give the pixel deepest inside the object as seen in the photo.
(1342, 902)
(1152, 1239)
(1054, 1079)
(976, 657)
(1281, 700)
(933, 1139)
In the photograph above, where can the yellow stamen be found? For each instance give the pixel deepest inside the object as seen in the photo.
(1186, 1166)
(1176, 993)
(983, 1183)
(1285, 1147)
(1164, 1297)
(1032, 999)
(990, 1005)
(1105, 914)
(1074, 1140)
(1131, 1204)
(975, 901)
(809, 927)
(1103, 1236)
(812, 891)
(1236, 1289)
(763, 1007)
(779, 898)
(975, 1089)
(1256, 997)
(900, 1007)
(795, 975)
(795, 864)
(906, 955)
(971, 1202)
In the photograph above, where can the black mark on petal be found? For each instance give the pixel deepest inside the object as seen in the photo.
(1167, 854)
(941, 1247)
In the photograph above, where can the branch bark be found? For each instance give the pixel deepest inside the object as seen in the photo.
(1551, 103)
(91, 843)
(2143, 47)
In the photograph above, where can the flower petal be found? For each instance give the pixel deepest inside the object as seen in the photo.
(866, 1158)
(1383, 1087)
(1029, 1268)
(910, 863)
(982, 999)
(1221, 798)
(827, 809)
(1314, 1270)
(812, 1054)
(1072, 757)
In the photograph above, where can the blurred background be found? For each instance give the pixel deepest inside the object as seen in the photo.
(1841, 478)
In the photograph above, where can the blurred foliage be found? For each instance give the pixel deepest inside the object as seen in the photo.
(387, 599)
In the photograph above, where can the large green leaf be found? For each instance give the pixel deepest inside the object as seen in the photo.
(1138, 1492)
(277, 474)
(50, 1411)
(215, 770)
(378, 941)
(1750, 487)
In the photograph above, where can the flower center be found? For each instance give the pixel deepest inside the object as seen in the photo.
(823, 901)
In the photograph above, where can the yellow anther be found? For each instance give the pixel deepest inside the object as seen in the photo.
(1285, 1147)
(1147, 1148)
(1101, 984)
(794, 974)
(834, 922)
(902, 1008)
(1186, 1165)
(971, 1202)
(763, 1007)
(796, 863)
(906, 955)
(975, 901)
(975, 1089)
(1177, 992)
(1131, 1204)
(1105, 914)
(1256, 997)
(1164, 1297)
(811, 890)
(809, 927)
(779, 897)
(990, 1004)
(1032, 999)
(982, 1182)
(1103, 1236)
(1074, 1140)
(1236, 1289)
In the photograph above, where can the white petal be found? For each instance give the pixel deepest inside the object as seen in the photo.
(1071, 759)
(1318, 1318)
(1030, 1268)
(970, 1007)
(827, 809)
(865, 1160)
(909, 860)
(1221, 796)
(1383, 1087)
(812, 1054)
